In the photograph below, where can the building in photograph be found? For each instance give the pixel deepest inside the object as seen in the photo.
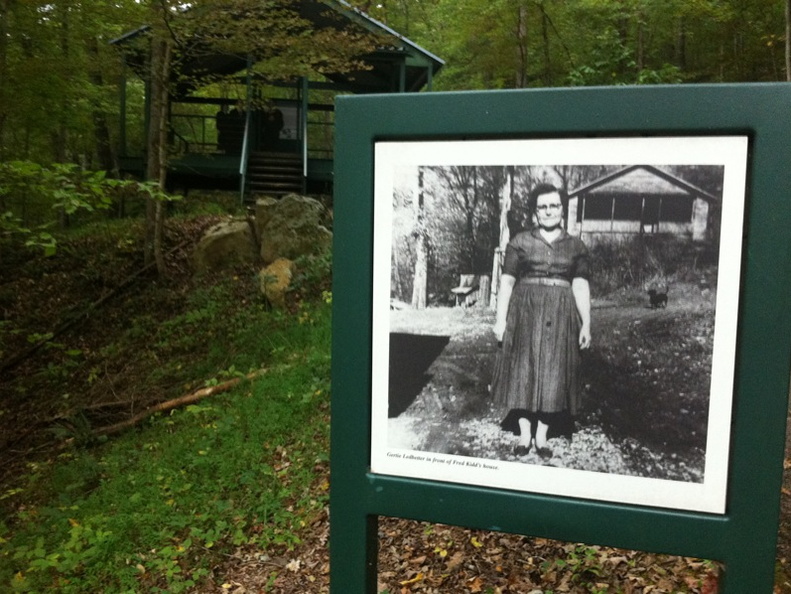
(639, 200)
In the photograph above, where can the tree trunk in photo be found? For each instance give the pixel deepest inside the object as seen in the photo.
(470, 222)
(484, 290)
(420, 283)
(506, 195)
(505, 205)
(157, 148)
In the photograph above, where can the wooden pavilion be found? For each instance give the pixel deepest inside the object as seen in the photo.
(234, 143)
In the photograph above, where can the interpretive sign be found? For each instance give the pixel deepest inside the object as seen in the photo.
(638, 240)
(655, 209)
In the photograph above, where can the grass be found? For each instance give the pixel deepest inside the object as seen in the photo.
(156, 508)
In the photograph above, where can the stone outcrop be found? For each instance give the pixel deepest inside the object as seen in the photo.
(285, 229)
(291, 227)
(227, 244)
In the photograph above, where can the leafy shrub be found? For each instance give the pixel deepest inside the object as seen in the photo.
(33, 197)
(646, 259)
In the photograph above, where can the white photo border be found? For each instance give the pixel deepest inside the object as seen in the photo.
(710, 496)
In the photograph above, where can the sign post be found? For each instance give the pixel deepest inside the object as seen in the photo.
(731, 514)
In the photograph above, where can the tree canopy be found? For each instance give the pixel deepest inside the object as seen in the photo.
(58, 74)
(529, 43)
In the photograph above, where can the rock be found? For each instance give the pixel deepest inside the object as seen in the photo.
(275, 280)
(264, 211)
(291, 227)
(224, 245)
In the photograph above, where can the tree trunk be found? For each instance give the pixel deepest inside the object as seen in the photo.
(470, 222)
(681, 44)
(505, 205)
(159, 227)
(5, 16)
(420, 284)
(521, 45)
(157, 147)
(60, 136)
(640, 44)
(548, 78)
(101, 131)
(788, 40)
(506, 195)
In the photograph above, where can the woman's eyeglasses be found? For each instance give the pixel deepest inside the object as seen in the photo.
(546, 207)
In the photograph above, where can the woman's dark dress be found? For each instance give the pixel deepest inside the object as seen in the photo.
(538, 367)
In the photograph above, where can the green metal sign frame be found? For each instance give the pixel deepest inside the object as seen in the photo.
(744, 537)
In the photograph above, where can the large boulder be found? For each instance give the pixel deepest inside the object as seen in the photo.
(226, 244)
(291, 227)
(275, 280)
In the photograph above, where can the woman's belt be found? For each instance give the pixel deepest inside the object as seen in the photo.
(545, 280)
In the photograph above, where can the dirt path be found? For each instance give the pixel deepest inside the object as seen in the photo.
(452, 413)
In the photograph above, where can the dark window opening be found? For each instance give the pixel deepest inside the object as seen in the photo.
(649, 210)
(595, 208)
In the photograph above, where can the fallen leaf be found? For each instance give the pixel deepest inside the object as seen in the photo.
(293, 565)
(711, 585)
(455, 561)
(414, 580)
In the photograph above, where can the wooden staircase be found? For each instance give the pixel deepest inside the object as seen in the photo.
(273, 174)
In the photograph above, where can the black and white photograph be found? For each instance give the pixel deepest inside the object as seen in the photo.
(559, 316)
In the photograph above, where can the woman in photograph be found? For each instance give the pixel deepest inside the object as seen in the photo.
(543, 322)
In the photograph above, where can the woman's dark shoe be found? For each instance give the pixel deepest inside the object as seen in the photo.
(544, 453)
(522, 450)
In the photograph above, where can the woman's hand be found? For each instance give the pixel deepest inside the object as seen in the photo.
(585, 337)
(582, 298)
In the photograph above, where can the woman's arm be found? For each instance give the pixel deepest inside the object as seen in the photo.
(582, 298)
(507, 283)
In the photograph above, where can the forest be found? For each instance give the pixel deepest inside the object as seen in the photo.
(59, 75)
(102, 317)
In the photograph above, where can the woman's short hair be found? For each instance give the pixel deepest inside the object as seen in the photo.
(546, 188)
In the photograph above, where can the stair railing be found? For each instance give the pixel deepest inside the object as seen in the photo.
(247, 126)
(245, 156)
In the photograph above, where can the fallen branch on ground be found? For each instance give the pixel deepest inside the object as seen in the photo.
(176, 403)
